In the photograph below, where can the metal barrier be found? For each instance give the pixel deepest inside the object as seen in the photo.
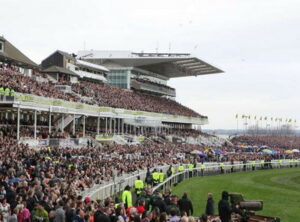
(225, 169)
(110, 189)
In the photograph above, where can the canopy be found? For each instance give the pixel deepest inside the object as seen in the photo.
(295, 150)
(289, 151)
(267, 151)
(196, 152)
(218, 151)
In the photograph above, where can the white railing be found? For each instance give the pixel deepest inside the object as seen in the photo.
(110, 189)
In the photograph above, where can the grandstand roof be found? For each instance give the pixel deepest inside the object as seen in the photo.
(14, 55)
(91, 65)
(57, 69)
(167, 64)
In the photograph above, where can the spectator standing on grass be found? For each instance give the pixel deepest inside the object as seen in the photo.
(209, 205)
(185, 205)
(224, 208)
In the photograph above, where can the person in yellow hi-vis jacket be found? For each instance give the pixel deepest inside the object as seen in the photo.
(202, 166)
(138, 186)
(155, 177)
(222, 167)
(1, 91)
(161, 176)
(191, 167)
(7, 92)
(180, 170)
(127, 197)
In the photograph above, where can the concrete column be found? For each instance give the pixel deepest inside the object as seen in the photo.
(49, 119)
(83, 130)
(74, 124)
(18, 123)
(35, 122)
(62, 122)
(98, 125)
(110, 125)
(105, 125)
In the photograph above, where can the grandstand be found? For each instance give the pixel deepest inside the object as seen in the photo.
(68, 95)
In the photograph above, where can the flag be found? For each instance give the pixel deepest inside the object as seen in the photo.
(266, 118)
(271, 118)
(236, 116)
(261, 118)
(249, 117)
(254, 117)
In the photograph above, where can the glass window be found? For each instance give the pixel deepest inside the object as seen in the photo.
(1, 46)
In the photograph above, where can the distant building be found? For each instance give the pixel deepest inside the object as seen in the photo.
(147, 72)
(11, 56)
(62, 65)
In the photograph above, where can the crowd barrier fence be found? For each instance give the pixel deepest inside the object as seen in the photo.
(109, 189)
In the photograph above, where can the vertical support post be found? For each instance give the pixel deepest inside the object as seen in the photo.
(83, 130)
(115, 125)
(110, 125)
(49, 119)
(74, 125)
(35, 121)
(62, 122)
(98, 125)
(106, 125)
(18, 123)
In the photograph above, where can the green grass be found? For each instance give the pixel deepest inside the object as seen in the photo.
(279, 189)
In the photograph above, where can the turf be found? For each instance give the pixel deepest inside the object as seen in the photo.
(279, 189)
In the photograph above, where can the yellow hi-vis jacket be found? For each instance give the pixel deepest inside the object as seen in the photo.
(180, 168)
(138, 185)
(190, 166)
(161, 177)
(127, 198)
(202, 166)
(155, 177)
(172, 170)
(7, 92)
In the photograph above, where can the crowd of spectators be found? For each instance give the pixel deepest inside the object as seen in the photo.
(101, 94)
(11, 79)
(105, 95)
(281, 142)
(41, 183)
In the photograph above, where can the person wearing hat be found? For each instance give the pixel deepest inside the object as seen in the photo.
(127, 197)
(224, 208)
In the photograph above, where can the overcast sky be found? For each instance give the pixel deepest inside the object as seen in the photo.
(256, 43)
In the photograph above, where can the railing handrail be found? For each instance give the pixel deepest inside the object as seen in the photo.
(225, 165)
(129, 179)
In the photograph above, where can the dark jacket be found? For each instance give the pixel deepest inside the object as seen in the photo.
(224, 208)
(101, 217)
(185, 205)
(160, 204)
(210, 207)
